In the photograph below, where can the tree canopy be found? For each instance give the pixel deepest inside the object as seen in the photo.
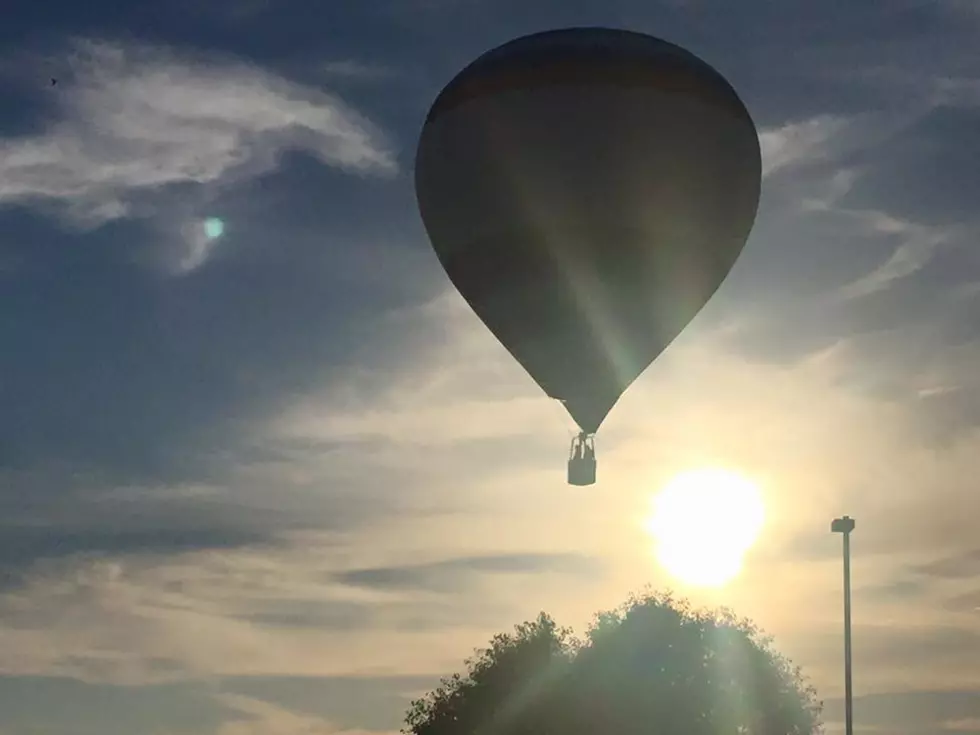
(654, 665)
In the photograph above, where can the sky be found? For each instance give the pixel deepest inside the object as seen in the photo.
(282, 480)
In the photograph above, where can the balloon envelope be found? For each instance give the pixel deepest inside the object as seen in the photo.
(587, 190)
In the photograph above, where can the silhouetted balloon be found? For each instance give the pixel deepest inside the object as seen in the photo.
(587, 190)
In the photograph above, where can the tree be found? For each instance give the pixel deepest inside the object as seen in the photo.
(654, 665)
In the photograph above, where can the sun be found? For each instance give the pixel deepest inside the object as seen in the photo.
(703, 522)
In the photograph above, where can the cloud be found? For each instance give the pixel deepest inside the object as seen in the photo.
(139, 144)
(797, 142)
(450, 575)
(835, 261)
(918, 245)
(133, 122)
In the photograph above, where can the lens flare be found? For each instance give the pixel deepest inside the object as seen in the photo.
(213, 227)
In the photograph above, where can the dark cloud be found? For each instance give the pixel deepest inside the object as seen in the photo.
(454, 574)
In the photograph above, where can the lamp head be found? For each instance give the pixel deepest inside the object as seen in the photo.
(842, 525)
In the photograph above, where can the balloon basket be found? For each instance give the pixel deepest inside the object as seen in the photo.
(581, 460)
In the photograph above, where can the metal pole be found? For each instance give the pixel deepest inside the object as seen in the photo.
(844, 526)
(848, 693)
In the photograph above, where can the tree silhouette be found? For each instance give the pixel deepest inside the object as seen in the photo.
(654, 665)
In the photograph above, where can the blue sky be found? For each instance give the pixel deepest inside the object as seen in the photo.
(280, 481)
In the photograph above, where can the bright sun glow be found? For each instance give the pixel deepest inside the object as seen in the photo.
(703, 522)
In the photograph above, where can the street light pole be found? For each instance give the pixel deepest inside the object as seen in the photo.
(844, 526)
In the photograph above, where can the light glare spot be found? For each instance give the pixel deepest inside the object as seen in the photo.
(213, 227)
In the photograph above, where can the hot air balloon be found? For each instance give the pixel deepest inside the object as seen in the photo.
(587, 190)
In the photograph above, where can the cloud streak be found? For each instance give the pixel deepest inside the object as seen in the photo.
(450, 575)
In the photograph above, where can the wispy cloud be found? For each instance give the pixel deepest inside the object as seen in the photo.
(131, 121)
(917, 246)
(797, 142)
